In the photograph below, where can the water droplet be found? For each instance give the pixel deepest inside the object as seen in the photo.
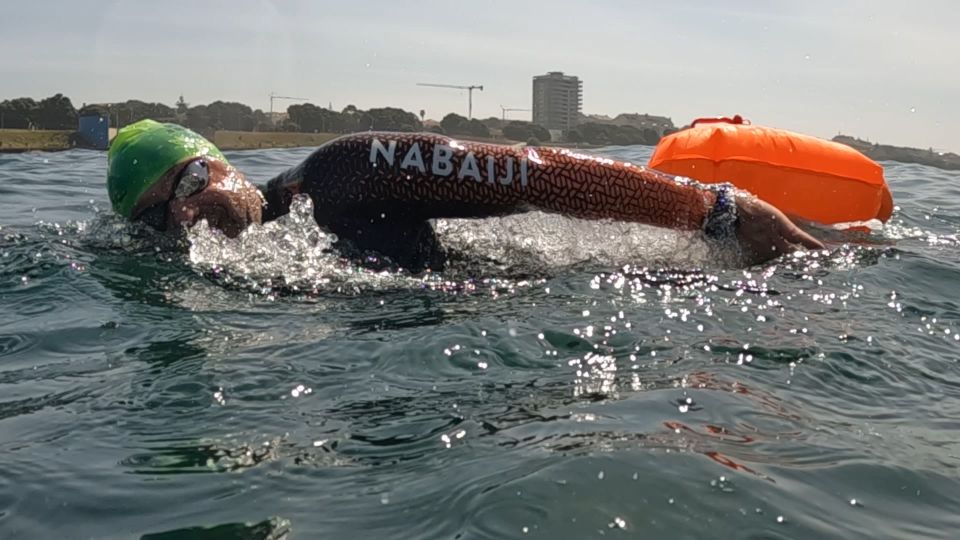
(618, 522)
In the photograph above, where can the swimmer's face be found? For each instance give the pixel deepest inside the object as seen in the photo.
(204, 188)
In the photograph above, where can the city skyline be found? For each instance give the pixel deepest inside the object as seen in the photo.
(876, 70)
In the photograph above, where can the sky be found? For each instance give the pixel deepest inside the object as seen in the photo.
(886, 71)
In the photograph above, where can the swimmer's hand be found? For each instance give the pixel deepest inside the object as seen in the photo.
(765, 232)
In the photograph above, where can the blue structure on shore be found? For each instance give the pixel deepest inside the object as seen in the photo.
(94, 131)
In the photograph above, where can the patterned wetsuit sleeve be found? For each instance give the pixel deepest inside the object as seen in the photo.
(431, 176)
(589, 186)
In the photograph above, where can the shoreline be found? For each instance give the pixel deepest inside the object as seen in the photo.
(24, 140)
(27, 140)
(903, 154)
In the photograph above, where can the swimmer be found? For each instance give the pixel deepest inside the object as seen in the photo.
(378, 191)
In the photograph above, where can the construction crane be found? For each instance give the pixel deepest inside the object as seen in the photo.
(274, 96)
(505, 110)
(469, 90)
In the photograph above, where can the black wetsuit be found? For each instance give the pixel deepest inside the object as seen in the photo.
(378, 191)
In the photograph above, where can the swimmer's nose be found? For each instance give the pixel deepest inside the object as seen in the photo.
(229, 210)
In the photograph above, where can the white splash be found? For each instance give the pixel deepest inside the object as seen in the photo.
(291, 253)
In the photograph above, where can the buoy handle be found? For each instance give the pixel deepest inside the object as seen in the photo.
(737, 119)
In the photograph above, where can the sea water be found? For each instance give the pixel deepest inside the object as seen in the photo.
(562, 379)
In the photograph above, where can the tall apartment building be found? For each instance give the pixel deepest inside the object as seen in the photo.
(557, 99)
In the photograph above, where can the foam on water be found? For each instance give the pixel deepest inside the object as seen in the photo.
(549, 242)
(294, 254)
(290, 254)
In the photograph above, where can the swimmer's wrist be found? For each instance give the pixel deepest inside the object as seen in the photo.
(723, 217)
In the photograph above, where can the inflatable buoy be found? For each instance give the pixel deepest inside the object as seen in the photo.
(803, 176)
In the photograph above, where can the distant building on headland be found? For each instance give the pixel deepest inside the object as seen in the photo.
(277, 118)
(557, 100)
(660, 124)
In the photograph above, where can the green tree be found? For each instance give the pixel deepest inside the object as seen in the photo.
(134, 110)
(56, 112)
(523, 131)
(493, 123)
(477, 128)
(393, 119)
(454, 124)
(311, 118)
(596, 133)
(261, 122)
(20, 113)
(230, 116)
(198, 119)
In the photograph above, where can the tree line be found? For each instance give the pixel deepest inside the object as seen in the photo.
(58, 113)
(606, 134)
(54, 112)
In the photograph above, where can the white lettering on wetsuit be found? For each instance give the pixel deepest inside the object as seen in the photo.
(413, 159)
(446, 160)
(377, 148)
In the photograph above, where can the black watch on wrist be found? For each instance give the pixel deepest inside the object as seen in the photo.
(722, 221)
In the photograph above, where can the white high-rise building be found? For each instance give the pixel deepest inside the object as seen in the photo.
(557, 100)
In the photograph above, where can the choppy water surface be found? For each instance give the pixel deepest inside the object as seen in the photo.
(562, 380)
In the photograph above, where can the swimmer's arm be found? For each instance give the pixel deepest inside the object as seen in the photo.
(591, 187)
(765, 232)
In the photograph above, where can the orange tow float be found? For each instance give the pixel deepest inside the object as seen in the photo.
(803, 176)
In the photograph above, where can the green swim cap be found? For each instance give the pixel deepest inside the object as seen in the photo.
(142, 152)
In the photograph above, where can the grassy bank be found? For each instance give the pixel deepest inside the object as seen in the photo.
(22, 140)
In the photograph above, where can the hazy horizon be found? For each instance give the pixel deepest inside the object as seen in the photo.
(881, 70)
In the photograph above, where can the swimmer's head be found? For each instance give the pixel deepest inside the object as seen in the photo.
(169, 176)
